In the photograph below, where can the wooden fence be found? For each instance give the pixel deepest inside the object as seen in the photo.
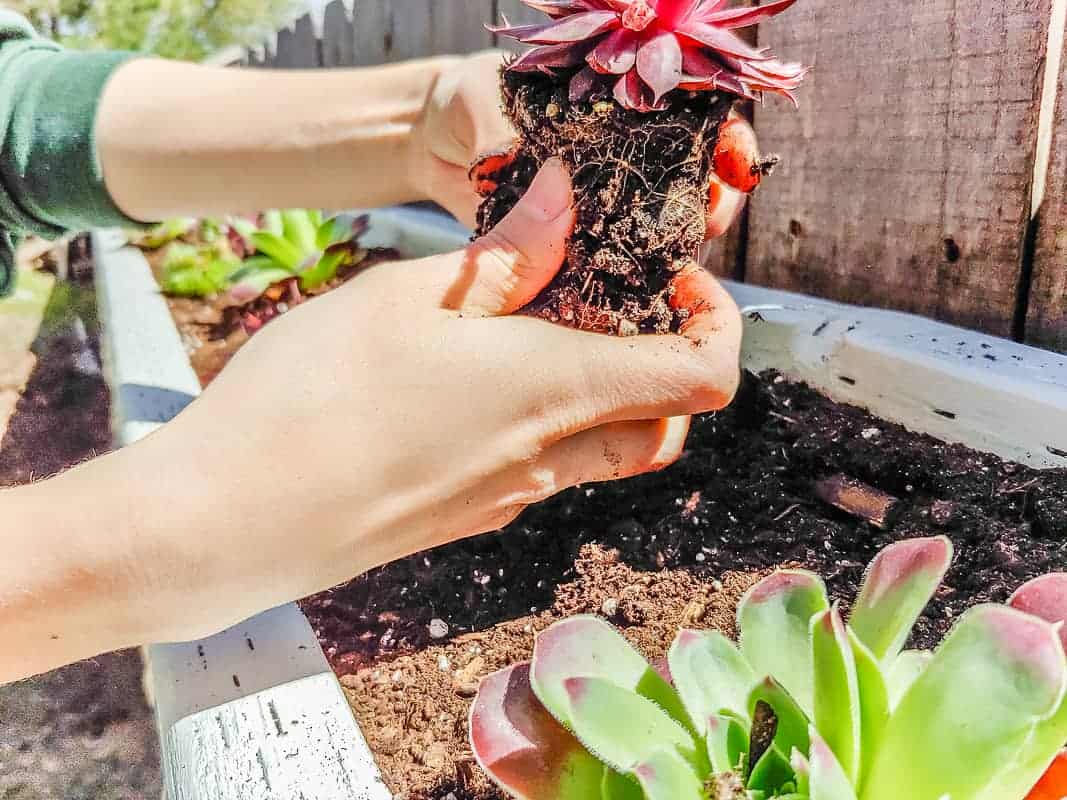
(926, 169)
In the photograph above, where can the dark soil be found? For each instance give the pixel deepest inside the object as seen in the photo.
(83, 732)
(641, 184)
(739, 501)
(414, 709)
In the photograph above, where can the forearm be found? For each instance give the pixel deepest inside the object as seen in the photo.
(94, 561)
(65, 586)
(182, 139)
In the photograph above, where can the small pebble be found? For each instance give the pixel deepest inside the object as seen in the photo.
(438, 628)
(870, 433)
(552, 111)
(443, 663)
(627, 328)
(610, 607)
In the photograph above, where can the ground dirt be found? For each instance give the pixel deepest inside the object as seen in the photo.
(83, 732)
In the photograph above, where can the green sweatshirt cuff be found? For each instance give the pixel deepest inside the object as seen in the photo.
(51, 179)
(49, 166)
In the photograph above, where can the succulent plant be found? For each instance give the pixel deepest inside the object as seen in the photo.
(245, 258)
(164, 233)
(190, 270)
(640, 50)
(804, 707)
(298, 243)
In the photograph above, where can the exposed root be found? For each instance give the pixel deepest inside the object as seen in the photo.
(641, 184)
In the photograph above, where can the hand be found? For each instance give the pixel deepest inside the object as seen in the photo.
(395, 414)
(462, 120)
(406, 410)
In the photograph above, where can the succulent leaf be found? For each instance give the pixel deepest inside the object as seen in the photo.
(325, 268)
(902, 671)
(827, 778)
(801, 771)
(640, 47)
(998, 674)
(874, 703)
(774, 618)
(588, 647)
(299, 227)
(284, 253)
(271, 222)
(837, 691)
(710, 675)
(254, 277)
(1032, 761)
(727, 740)
(165, 232)
(616, 786)
(792, 727)
(899, 583)
(667, 776)
(522, 747)
(1045, 597)
(744, 16)
(621, 728)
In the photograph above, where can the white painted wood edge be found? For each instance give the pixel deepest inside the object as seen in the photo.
(220, 739)
(254, 712)
(960, 386)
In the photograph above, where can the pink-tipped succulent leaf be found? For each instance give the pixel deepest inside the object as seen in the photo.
(774, 618)
(522, 747)
(1045, 597)
(899, 583)
(640, 50)
(588, 647)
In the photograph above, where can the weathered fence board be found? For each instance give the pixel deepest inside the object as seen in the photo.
(1047, 313)
(373, 27)
(458, 26)
(907, 168)
(306, 47)
(395, 30)
(284, 54)
(338, 37)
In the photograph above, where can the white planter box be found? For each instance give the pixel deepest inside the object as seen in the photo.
(256, 713)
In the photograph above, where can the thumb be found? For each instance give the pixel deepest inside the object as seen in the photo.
(506, 268)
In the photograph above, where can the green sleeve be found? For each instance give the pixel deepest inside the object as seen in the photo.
(51, 181)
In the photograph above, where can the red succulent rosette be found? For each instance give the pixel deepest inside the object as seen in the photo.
(640, 50)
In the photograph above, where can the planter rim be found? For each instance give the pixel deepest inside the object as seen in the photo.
(256, 712)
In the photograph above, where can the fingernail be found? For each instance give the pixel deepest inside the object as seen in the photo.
(549, 196)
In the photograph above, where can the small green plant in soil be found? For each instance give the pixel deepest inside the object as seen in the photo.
(245, 259)
(634, 96)
(804, 707)
(298, 244)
